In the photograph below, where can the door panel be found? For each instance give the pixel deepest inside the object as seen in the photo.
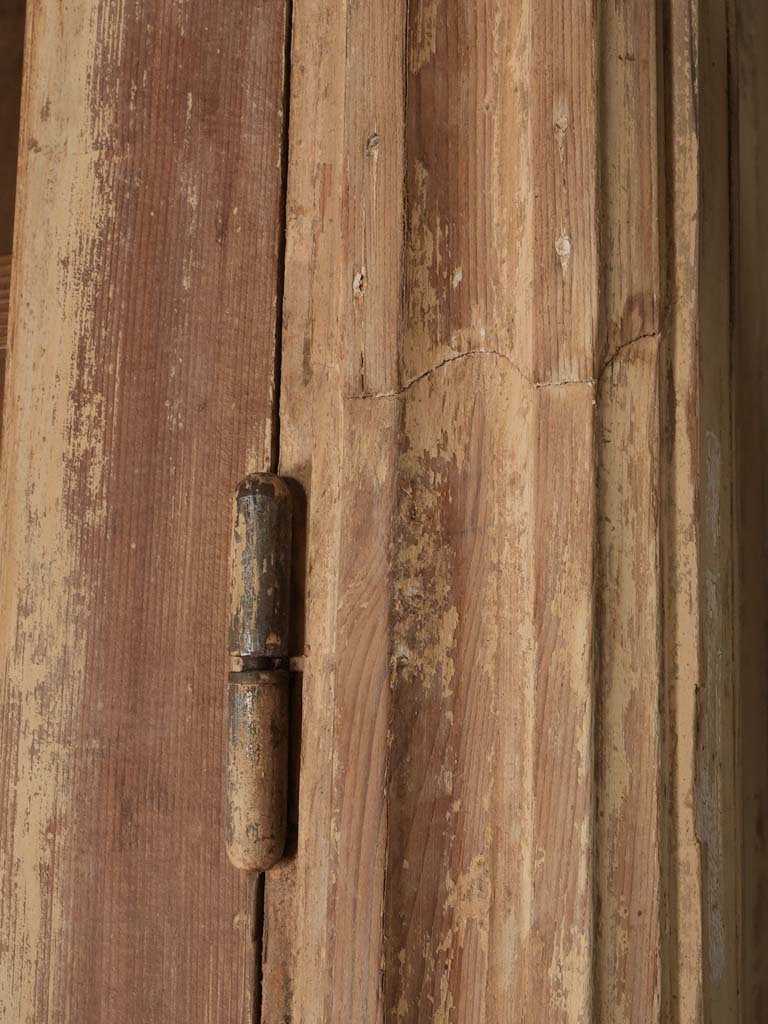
(141, 387)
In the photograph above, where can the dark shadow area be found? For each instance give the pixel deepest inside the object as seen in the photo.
(11, 57)
(298, 567)
(292, 835)
(11, 62)
(298, 605)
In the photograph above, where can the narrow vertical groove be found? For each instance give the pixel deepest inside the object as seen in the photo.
(391, 654)
(669, 981)
(256, 895)
(12, 21)
(282, 224)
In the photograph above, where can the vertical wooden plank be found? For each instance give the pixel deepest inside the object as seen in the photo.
(682, 965)
(630, 804)
(503, 514)
(374, 103)
(460, 647)
(564, 61)
(632, 200)
(702, 948)
(467, 123)
(140, 388)
(560, 949)
(362, 716)
(297, 916)
(751, 401)
(630, 793)
(718, 813)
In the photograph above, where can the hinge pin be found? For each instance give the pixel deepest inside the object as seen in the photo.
(258, 698)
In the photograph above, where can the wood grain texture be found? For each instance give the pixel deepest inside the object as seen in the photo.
(507, 400)
(563, 53)
(495, 415)
(140, 389)
(718, 815)
(631, 802)
(751, 381)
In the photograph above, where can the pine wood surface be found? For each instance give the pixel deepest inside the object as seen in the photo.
(491, 394)
(751, 400)
(506, 410)
(140, 389)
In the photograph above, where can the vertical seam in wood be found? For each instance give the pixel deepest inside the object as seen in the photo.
(256, 886)
(669, 980)
(385, 881)
(280, 284)
(405, 197)
(666, 919)
(732, 89)
(258, 901)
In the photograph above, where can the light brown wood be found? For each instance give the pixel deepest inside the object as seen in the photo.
(521, 406)
(517, 795)
(256, 774)
(141, 377)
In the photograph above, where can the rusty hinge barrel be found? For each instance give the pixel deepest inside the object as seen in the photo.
(256, 777)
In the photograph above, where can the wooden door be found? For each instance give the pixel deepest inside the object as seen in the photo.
(140, 386)
(484, 281)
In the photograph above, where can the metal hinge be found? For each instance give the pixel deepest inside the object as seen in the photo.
(256, 802)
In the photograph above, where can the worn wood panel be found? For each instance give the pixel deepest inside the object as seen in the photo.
(517, 589)
(631, 803)
(751, 383)
(465, 141)
(718, 812)
(140, 388)
(558, 946)
(682, 964)
(633, 216)
(457, 642)
(508, 403)
(496, 417)
(562, 50)
(373, 172)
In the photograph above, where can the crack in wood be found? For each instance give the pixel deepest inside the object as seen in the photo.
(622, 349)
